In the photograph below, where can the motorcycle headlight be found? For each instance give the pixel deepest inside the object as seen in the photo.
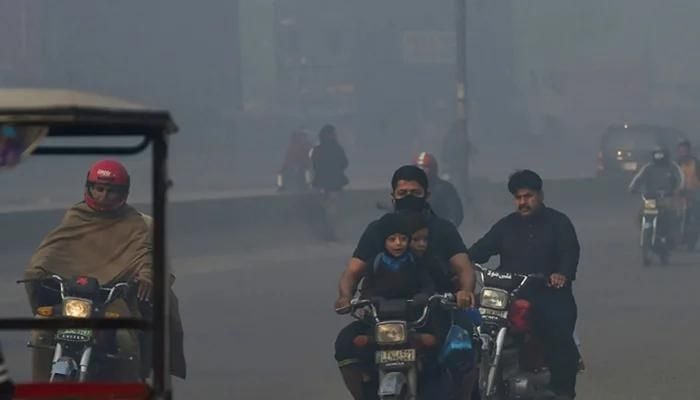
(76, 308)
(494, 298)
(390, 333)
(649, 203)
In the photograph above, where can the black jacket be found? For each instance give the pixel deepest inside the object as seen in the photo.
(329, 163)
(653, 178)
(544, 242)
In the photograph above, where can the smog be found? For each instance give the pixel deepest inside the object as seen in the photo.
(257, 240)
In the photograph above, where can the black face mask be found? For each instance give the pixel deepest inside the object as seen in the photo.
(410, 203)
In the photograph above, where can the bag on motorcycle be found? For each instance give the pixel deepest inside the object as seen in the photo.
(457, 351)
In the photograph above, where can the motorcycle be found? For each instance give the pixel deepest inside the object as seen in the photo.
(512, 362)
(654, 235)
(398, 343)
(80, 355)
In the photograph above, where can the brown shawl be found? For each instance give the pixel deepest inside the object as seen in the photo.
(110, 247)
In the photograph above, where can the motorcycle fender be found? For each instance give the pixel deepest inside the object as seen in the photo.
(392, 384)
(64, 366)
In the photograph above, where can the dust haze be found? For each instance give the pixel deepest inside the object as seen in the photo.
(545, 80)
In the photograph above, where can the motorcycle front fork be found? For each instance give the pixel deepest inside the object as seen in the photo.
(491, 353)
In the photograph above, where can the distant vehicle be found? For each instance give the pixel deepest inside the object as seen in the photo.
(625, 148)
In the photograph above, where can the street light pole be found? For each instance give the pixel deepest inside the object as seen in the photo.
(460, 10)
(238, 64)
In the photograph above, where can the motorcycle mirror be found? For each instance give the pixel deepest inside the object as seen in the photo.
(18, 142)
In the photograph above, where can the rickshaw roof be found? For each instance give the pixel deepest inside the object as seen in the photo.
(100, 115)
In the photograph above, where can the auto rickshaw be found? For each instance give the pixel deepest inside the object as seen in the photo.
(27, 116)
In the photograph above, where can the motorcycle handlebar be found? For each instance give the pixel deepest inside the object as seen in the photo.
(60, 279)
(537, 276)
(446, 299)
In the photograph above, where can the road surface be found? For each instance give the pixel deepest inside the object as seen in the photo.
(259, 322)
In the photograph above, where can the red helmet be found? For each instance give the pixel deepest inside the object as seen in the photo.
(428, 163)
(112, 174)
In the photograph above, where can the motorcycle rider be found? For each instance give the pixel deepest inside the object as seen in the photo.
(410, 193)
(394, 274)
(539, 239)
(104, 238)
(444, 198)
(661, 175)
(690, 165)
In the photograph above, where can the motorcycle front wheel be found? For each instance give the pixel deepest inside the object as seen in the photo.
(484, 370)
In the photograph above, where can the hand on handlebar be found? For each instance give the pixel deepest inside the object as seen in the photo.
(342, 305)
(557, 281)
(144, 289)
(465, 299)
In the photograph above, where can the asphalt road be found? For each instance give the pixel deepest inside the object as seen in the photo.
(259, 321)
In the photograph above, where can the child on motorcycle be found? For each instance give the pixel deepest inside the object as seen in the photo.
(394, 274)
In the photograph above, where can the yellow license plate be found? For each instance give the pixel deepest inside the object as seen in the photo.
(74, 335)
(496, 313)
(393, 356)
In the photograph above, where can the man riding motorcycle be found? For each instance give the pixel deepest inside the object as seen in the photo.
(410, 193)
(104, 238)
(690, 166)
(444, 198)
(660, 176)
(537, 239)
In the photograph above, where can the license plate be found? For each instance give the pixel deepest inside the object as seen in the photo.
(76, 335)
(629, 166)
(393, 356)
(496, 313)
(651, 211)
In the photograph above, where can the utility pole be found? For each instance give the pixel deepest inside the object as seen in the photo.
(238, 64)
(461, 125)
(237, 86)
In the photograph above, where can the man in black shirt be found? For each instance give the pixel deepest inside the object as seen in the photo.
(410, 193)
(539, 239)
